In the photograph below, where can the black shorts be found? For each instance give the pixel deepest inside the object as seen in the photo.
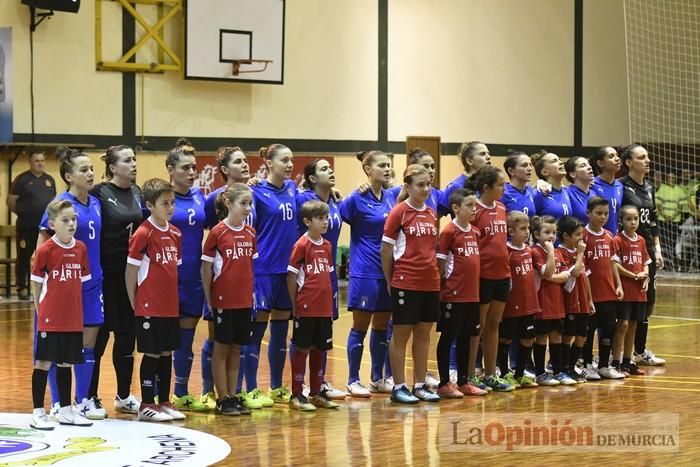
(313, 332)
(522, 327)
(632, 311)
(414, 306)
(494, 289)
(545, 326)
(118, 314)
(157, 335)
(576, 324)
(233, 326)
(459, 319)
(59, 347)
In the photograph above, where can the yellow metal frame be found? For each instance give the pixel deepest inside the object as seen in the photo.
(167, 10)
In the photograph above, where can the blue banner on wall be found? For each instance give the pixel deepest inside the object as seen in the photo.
(5, 85)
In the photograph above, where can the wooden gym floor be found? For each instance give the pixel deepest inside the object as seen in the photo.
(377, 432)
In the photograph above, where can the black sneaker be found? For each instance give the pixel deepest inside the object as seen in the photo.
(227, 406)
(23, 294)
(242, 409)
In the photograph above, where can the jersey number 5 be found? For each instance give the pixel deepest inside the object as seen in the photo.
(191, 213)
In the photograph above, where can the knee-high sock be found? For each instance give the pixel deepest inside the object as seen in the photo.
(298, 371)
(207, 376)
(63, 378)
(253, 357)
(480, 355)
(453, 355)
(523, 358)
(574, 354)
(147, 375)
(356, 344)
(182, 362)
(539, 351)
(53, 384)
(277, 350)
(387, 363)
(316, 371)
(83, 374)
(444, 351)
(503, 358)
(378, 346)
(555, 357)
(640, 336)
(99, 350)
(241, 368)
(123, 360)
(565, 348)
(513, 353)
(165, 371)
(463, 342)
(39, 379)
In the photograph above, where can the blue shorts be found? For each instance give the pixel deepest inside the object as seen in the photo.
(271, 292)
(368, 294)
(191, 300)
(93, 307)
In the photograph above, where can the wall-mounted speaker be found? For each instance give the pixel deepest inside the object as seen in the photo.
(71, 6)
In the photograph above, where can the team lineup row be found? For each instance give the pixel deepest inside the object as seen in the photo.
(110, 212)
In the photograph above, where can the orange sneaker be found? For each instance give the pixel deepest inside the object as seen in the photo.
(470, 389)
(450, 391)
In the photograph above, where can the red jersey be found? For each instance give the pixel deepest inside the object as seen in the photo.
(231, 250)
(491, 222)
(599, 255)
(522, 300)
(414, 235)
(61, 270)
(312, 262)
(550, 294)
(576, 298)
(633, 256)
(157, 252)
(460, 249)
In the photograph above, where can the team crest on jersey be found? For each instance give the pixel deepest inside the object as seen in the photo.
(47, 183)
(290, 192)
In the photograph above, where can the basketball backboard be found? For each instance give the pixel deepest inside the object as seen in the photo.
(235, 40)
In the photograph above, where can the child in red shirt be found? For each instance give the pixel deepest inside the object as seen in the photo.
(60, 268)
(309, 284)
(633, 267)
(155, 252)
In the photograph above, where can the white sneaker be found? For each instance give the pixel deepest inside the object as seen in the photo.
(431, 381)
(152, 413)
(648, 359)
(453, 376)
(41, 421)
(590, 373)
(169, 409)
(129, 405)
(331, 392)
(381, 386)
(529, 374)
(71, 416)
(88, 410)
(53, 413)
(357, 389)
(609, 372)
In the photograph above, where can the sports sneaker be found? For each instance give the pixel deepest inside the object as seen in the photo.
(403, 396)
(323, 401)
(88, 410)
(70, 416)
(510, 379)
(305, 390)
(620, 369)
(248, 401)
(357, 389)
(549, 368)
(129, 405)
(382, 386)
(227, 406)
(53, 412)
(431, 381)
(471, 389)
(189, 403)
(648, 359)
(331, 392)
(209, 400)
(530, 374)
(498, 384)
(590, 373)
(41, 421)
(453, 376)
(610, 373)
(301, 403)
(449, 391)
(545, 379)
(426, 394)
(257, 394)
(526, 382)
(565, 379)
(96, 404)
(579, 378)
(479, 383)
(632, 369)
(152, 413)
(280, 395)
(240, 406)
(170, 409)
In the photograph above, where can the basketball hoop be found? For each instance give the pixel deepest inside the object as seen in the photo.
(261, 65)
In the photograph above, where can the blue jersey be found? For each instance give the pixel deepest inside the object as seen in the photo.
(88, 230)
(557, 204)
(444, 203)
(579, 202)
(275, 225)
(517, 200)
(335, 222)
(210, 210)
(613, 193)
(433, 198)
(366, 214)
(189, 218)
